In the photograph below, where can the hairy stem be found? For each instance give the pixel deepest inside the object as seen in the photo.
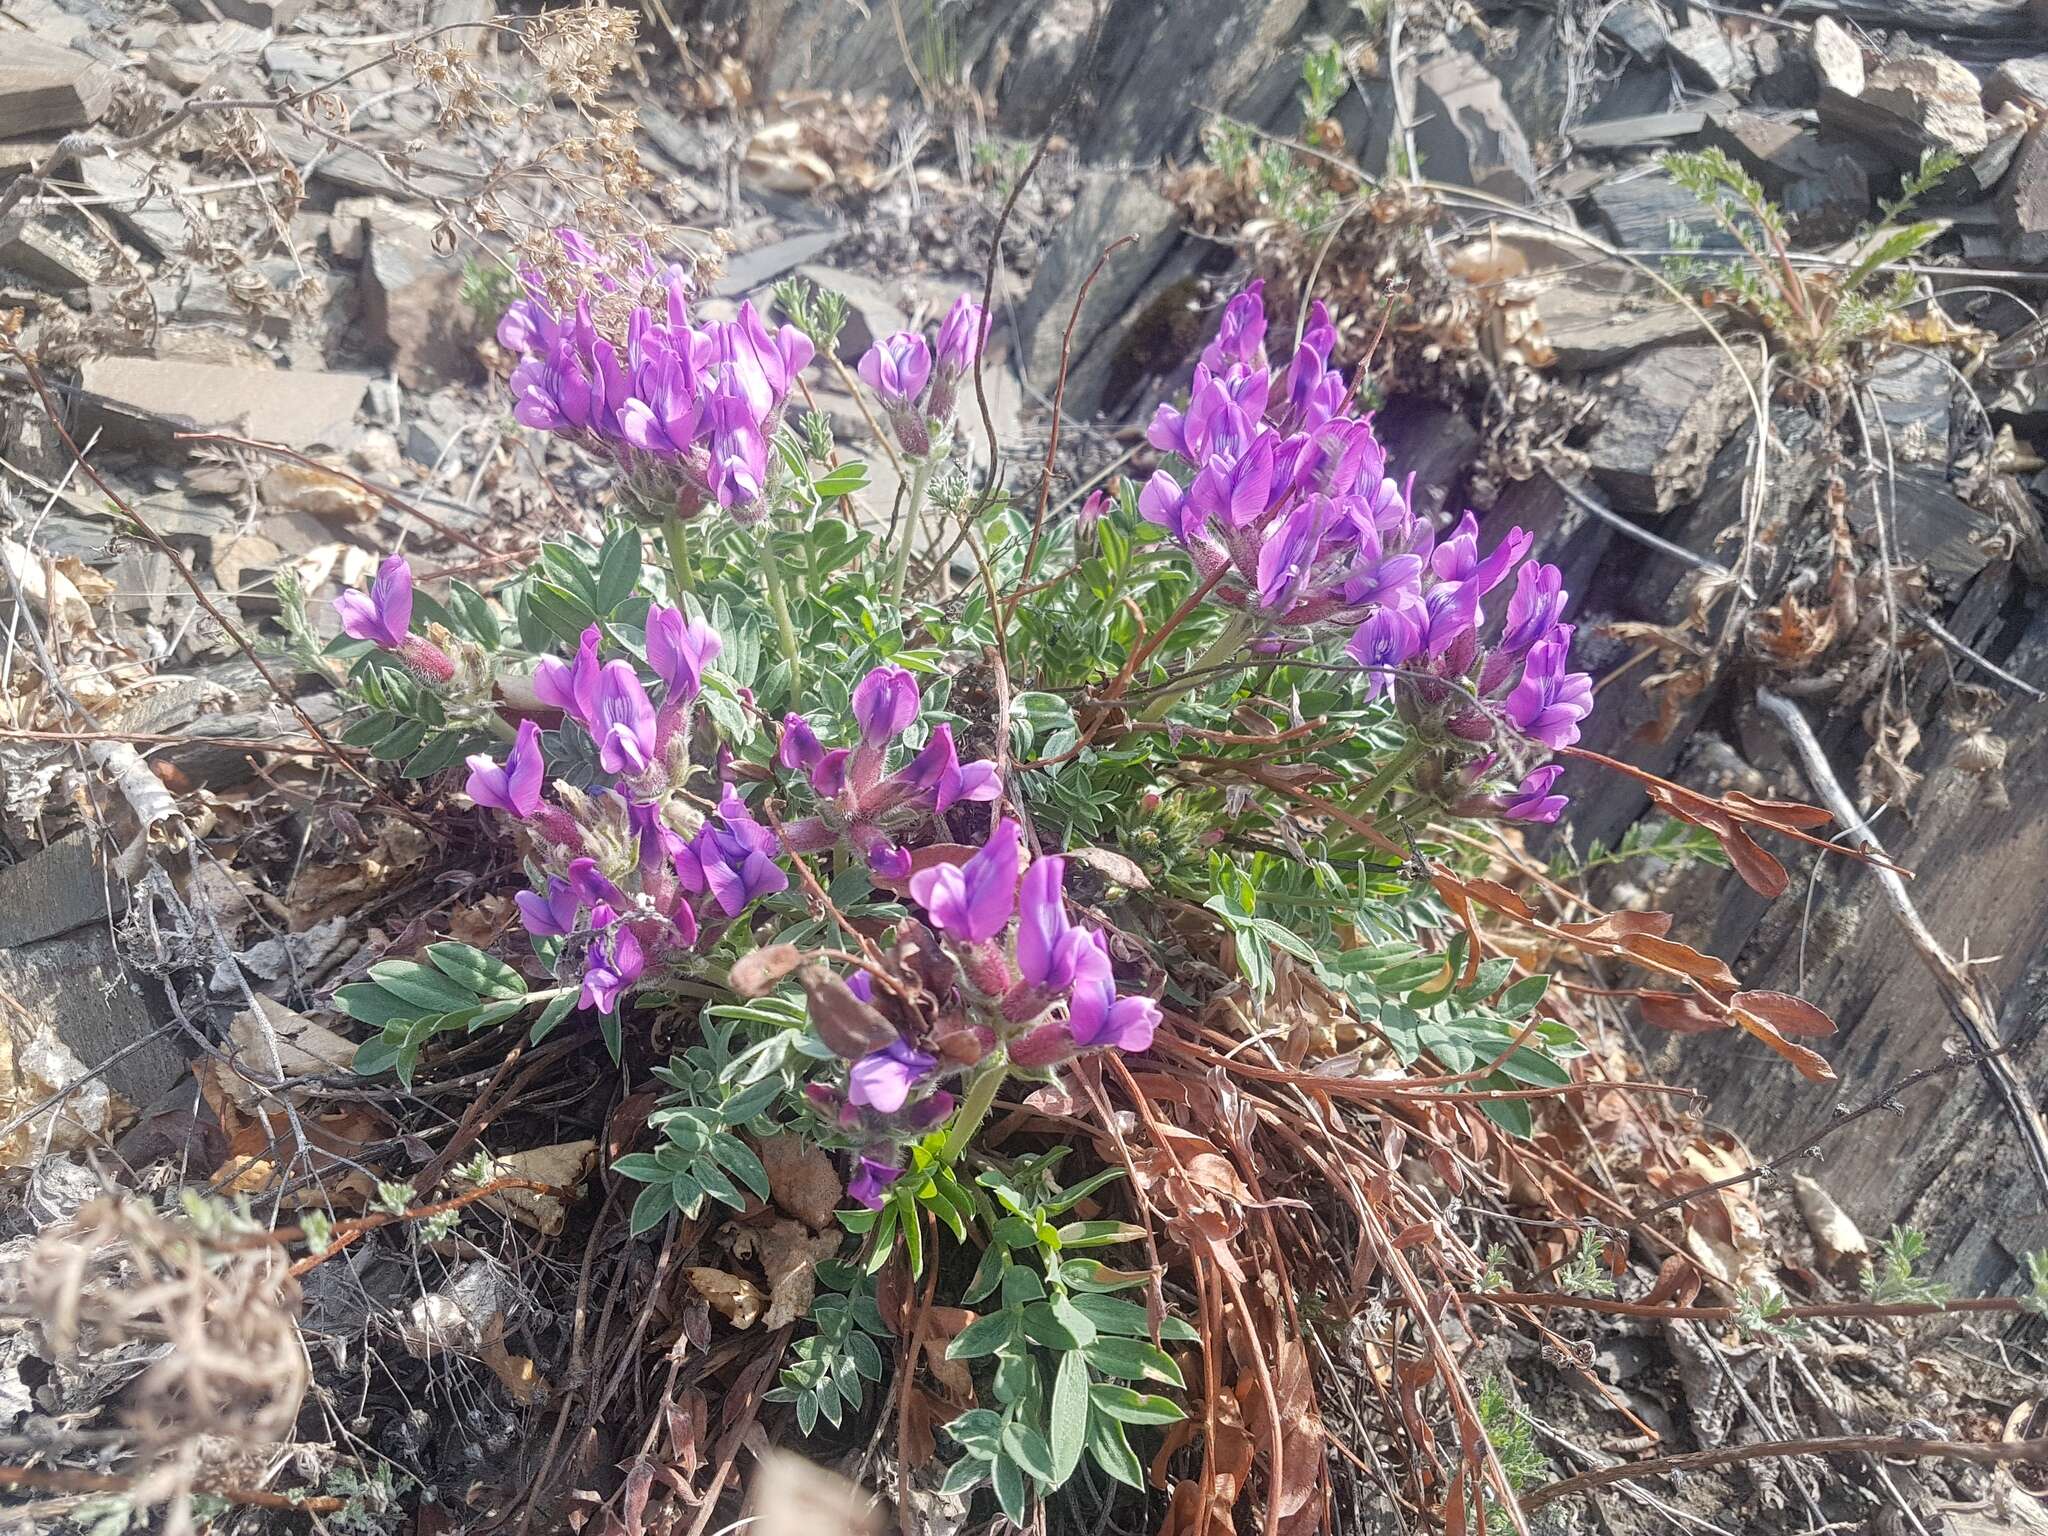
(920, 479)
(778, 603)
(677, 537)
(1204, 666)
(1389, 774)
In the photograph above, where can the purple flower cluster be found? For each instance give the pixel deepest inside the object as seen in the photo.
(859, 807)
(383, 616)
(632, 873)
(688, 408)
(1013, 974)
(1282, 495)
(916, 383)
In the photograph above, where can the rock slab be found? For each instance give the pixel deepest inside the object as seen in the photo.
(45, 87)
(142, 400)
(1668, 413)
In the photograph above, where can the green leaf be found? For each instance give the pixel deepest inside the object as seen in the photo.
(1021, 1285)
(403, 741)
(846, 480)
(618, 569)
(1094, 1275)
(988, 1274)
(1129, 1407)
(1069, 1198)
(963, 1477)
(1112, 1452)
(375, 1056)
(1098, 1234)
(1027, 1447)
(473, 613)
(416, 984)
(1009, 1480)
(559, 613)
(1133, 1360)
(1069, 1417)
(557, 1010)
(485, 975)
(1128, 1318)
(977, 1430)
(1057, 1324)
(643, 1167)
(650, 1209)
(368, 1003)
(438, 755)
(983, 1336)
(740, 1158)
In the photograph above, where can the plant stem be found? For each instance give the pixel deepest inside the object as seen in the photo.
(778, 602)
(981, 1093)
(677, 538)
(920, 478)
(1390, 771)
(1218, 651)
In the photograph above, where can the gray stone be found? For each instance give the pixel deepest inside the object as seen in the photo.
(1641, 211)
(2023, 201)
(1587, 329)
(185, 56)
(142, 209)
(1910, 104)
(1668, 413)
(757, 268)
(36, 250)
(44, 86)
(1708, 58)
(2022, 81)
(1108, 207)
(145, 401)
(274, 14)
(1822, 185)
(1644, 128)
(1785, 75)
(1465, 132)
(197, 299)
(1837, 58)
(1640, 26)
(413, 313)
(1912, 394)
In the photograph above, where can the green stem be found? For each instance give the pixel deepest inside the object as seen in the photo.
(1230, 640)
(681, 577)
(1390, 771)
(778, 602)
(920, 479)
(981, 1093)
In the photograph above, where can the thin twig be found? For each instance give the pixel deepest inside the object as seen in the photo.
(2030, 1451)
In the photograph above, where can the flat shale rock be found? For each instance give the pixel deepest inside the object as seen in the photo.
(2024, 81)
(44, 86)
(1837, 58)
(142, 400)
(1821, 185)
(1640, 26)
(1668, 413)
(1465, 132)
(1586, 329)
(2023, 200)
(413, 312)
(1639, 212)
(1910, 104)
(1708, 58)
(32, 248)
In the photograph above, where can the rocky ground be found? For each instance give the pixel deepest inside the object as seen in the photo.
(255, 249)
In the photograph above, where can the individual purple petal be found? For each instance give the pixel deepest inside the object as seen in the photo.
(1532, 800)
(623, 722)
(1241, 333)
(884, 704)
(591, 885)
(571, 688)
(679, 650)
(548, 916)
(733, 858)
(882, 1080)
(799, 750)
(871, 1179)
(972, 902)
(961, 336)
(828, 778)
(1386, 639)
(1537, 603)
(888, 861)
(513, 788)
(611, 964)
(1042, 923)
(1550, 701)
(384, 615)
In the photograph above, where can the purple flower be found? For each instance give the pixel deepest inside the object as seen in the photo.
(882, 1080)
(938, 773)
(1092, 511)
(887, 860)
(1096, 1015)
(384, 615)
(548, 916)
(515, 787)
(571, 688)
(739, 453)
(884, 704)
(1456, 559)
(592, 886)
(1288, 555)
(1387, 638)
(1538, 602)
(870, 1178)
(623, 721)
(1549, 702)
(611, 964)
(971, 902)
(732, 857)
(1241, 333)
(679, 650)
(659, 842)
(1533, 801)
(961, 336)
(896, 368)
(1236, 494)
(799, 750)
(1045, 958)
